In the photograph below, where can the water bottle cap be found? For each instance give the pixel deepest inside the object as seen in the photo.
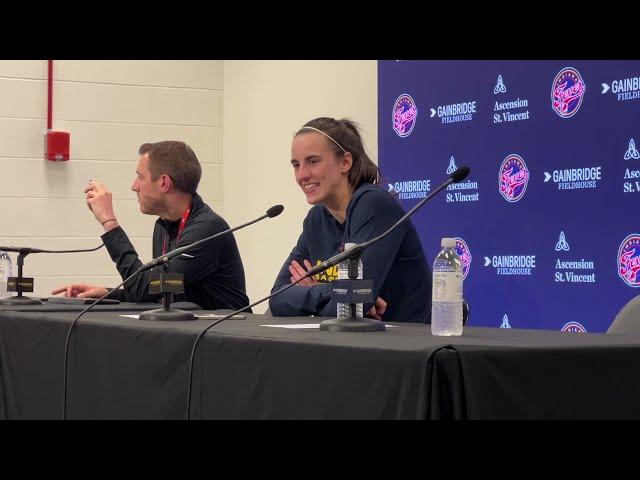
(448, 242)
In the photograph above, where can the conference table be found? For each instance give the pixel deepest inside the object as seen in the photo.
(264, 367)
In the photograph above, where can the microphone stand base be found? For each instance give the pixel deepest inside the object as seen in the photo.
(172, 314)
(20, 301)
(352, 325)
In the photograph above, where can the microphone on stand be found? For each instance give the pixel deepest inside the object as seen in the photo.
(168, 283)
(354, 252)
(162, 260)
(20, 284)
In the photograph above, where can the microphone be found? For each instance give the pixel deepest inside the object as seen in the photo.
(275, 211)
(355, 251)
(24, 251)
(26, 284)
(460, 174)
(161, 260)
(165, 284)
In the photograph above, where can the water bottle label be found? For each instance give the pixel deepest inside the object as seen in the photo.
(447, 286)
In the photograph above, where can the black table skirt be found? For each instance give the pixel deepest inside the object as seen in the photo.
(124, 368)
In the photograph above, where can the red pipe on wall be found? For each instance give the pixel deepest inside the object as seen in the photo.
(50, 95)
(56, 144)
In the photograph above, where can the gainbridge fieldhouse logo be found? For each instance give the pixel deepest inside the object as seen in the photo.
(513, 178)
(629, 260)
(567, 92)
(404, 115)
(462, 249)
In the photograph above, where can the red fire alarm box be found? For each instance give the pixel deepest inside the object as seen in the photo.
(56, 145)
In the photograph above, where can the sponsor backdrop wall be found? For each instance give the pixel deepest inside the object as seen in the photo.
(547, 223)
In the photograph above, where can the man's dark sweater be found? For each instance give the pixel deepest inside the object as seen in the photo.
(213, 271)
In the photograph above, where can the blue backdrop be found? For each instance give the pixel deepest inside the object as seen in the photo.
(547, 223)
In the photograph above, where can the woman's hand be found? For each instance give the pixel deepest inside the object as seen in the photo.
(297, 271)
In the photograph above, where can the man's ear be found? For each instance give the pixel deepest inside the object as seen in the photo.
(166, 184)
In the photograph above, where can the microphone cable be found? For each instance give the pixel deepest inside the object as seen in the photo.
(213, 324)
(67, 343)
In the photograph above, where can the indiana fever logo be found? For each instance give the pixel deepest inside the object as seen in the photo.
(404, 115)
(629, 260)
(567, 92)
(513, 178)
(462, 249)
(575, 327)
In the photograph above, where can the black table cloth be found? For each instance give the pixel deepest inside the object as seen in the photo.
(124, 368)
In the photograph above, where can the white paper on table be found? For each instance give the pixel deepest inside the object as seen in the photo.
(308, 326)
(203, 315)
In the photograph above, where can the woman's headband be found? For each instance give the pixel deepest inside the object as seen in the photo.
(326, 135)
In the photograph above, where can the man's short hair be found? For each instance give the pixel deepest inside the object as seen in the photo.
(175, 159)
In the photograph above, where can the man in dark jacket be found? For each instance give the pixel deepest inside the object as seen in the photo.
(167, 178)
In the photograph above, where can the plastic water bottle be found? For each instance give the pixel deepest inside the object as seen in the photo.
(446, 308)
(5, 272)
(343, 274)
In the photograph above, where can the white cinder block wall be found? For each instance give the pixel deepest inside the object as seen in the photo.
(265, 102)
(110, 108)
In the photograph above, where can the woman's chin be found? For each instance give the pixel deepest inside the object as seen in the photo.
(313, 198)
